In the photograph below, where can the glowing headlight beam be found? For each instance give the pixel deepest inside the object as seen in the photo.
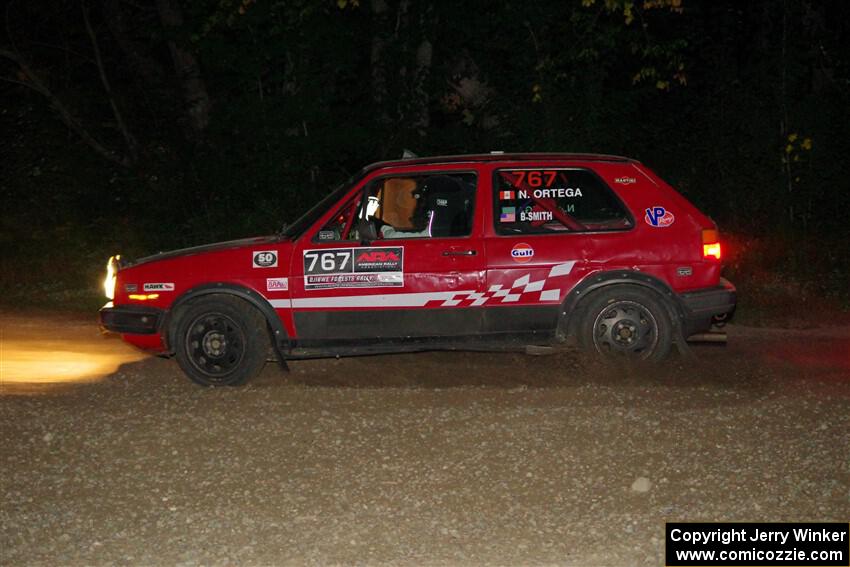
(109, 281)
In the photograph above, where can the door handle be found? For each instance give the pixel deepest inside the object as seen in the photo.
(459, 252)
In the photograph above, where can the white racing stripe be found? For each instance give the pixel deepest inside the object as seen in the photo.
(381, 300)
(513, 294)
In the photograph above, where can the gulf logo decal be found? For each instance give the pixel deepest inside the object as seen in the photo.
(659, 217)
(522, 253)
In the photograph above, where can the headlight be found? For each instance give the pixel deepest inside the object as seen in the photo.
(109, 281)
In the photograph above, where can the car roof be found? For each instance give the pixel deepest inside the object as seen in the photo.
(498, 156)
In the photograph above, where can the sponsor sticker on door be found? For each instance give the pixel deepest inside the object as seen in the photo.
(354, 267)
(277, 284)
(522, 253)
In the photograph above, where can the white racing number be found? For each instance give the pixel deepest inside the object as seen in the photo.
(327, 261)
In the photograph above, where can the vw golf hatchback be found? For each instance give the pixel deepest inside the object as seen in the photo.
(476, 251)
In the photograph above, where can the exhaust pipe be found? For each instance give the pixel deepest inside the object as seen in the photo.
(714, 337)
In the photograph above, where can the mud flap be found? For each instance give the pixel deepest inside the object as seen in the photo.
(278, 356)
(684, 348)
(681, 343)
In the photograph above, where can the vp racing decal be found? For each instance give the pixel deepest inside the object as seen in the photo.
(659, 217)
(354, 267)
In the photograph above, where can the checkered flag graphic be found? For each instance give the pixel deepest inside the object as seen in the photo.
(498, 293)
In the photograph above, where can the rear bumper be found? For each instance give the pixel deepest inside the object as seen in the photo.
(131, 319)
(702, 306)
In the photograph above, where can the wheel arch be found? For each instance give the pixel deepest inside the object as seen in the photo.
(598, 281)
(250, 296)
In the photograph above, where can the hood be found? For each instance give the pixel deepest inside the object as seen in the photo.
(217, 246)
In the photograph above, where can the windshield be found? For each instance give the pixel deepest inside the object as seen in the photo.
(304, 222)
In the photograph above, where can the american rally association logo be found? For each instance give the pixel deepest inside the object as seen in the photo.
(659, 217)
(377, 259)
(522, 253)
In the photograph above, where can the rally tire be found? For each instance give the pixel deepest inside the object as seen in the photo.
(626, 323)
(221, 341)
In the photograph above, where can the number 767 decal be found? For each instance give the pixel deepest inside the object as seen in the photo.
(327, 261)
(354, 267)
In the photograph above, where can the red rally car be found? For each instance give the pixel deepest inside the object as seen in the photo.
(477, 251)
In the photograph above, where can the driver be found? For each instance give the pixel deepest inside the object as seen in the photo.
(420, 219)
(388, 231)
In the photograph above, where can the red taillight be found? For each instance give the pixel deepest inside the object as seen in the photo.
(711, 250)
(710, 244)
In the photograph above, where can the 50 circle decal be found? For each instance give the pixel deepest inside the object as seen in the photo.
(265, 259)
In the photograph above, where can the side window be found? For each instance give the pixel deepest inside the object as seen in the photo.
(529, 201)
(423, 206)
(411, 206)
(342, 225)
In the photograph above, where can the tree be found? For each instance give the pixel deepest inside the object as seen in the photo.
(27, 76)
(187, 69)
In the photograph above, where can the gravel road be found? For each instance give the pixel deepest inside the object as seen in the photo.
(425, 459)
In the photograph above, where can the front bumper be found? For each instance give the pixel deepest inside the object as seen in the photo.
(131, 319)
(703, 306)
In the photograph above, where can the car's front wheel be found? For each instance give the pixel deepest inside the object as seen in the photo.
(221, 341)
(626, 322)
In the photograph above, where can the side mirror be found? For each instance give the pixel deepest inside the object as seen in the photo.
(367, 231)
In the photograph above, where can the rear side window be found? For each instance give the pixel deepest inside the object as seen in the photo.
(539, 201)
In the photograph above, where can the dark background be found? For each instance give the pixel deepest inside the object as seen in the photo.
(138, 125)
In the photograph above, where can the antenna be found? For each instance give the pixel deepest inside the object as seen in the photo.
(407, 154)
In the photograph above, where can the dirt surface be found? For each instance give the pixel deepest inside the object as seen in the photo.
(424, 459)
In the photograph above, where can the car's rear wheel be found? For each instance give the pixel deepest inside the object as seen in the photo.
(221, 341)
(626, 322)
